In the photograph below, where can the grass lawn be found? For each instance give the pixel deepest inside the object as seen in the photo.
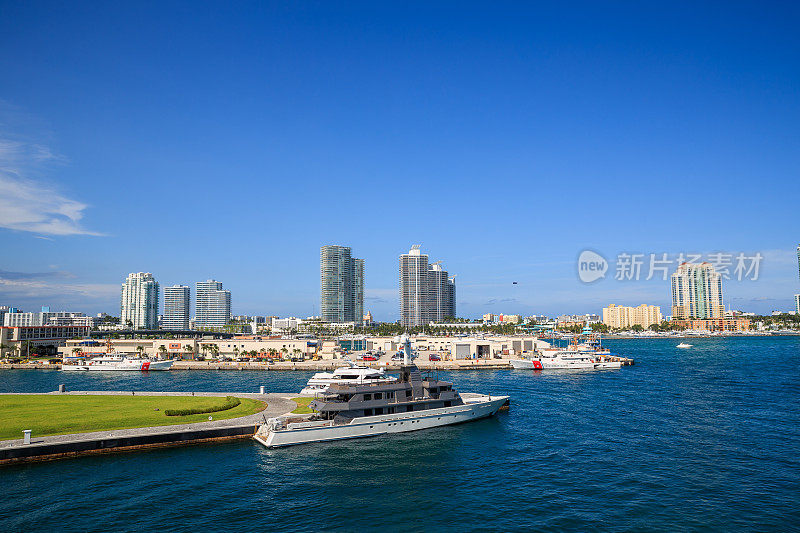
(302, 406)
(59, 415)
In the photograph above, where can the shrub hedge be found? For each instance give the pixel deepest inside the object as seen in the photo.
(230, 403)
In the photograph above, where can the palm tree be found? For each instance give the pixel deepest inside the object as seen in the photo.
(272, 353)
(215, 350)
(140, 349)
(162, 351)
(284, 351)
(3, 348)
(189, 351)
(296, 351)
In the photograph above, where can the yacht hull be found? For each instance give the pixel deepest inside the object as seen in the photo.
(475, 408)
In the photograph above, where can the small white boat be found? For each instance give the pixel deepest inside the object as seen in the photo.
(116, 363)
(684, 345)
(347, 375)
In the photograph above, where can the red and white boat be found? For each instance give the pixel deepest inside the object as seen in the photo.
(116, 363)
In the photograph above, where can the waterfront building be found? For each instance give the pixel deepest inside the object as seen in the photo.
(212, 304)
(577, 320)
(696, 292)
(798, 260)
(176, 307)
(17, 336)
(621, 316)
(714, 324)
(341, 285)
(797, 303)
(427, 293)
(46, 318)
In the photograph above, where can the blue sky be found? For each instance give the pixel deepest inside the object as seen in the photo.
(198, 140)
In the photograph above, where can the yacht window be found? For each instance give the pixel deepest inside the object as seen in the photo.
(408, 394)
(367, 397)
(367, 412)
(379, 410)
(378, 396)
(447, 403)
(391, 410)
(410, 408)
(390, 395)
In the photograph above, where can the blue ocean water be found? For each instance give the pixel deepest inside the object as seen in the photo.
(706, 438)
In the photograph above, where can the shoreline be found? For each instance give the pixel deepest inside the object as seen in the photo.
(53, 447)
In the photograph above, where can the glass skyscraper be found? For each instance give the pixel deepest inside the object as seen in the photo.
(212, 304)
(176, 307)
(139, 302)
(697, 292)
(427, 293)
(341, 285)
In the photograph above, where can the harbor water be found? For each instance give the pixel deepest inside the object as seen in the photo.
(702, 438)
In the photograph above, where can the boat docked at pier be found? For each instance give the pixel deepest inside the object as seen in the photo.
(116, 363)
(410, 403)
(347, 375)
(586, 355)
(111, 361)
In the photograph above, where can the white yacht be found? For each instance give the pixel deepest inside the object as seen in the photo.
(557, 359)
(116, 362)
(348, 375)
(365, 410)
(684, 345)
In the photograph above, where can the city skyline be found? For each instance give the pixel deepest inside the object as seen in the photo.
(504, 158)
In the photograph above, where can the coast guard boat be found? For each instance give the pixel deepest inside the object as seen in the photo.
(113, 362)
(117, 362)
(348, 411)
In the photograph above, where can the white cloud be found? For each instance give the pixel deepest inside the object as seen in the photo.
(29, 205)
(39, 288)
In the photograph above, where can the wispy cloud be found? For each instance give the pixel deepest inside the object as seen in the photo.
(380, 295)
(17, 285)
(28, 204)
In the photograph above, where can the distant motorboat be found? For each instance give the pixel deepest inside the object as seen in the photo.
(684, 345)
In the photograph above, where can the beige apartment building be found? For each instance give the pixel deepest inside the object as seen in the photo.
(621, 316)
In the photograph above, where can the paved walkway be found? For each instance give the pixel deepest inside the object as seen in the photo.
(277, 404)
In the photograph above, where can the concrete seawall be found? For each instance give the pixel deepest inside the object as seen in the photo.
(121, 440)
(75, 448)
(326, 365)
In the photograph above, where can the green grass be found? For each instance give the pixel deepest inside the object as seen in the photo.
(60, 415)
(302, 406)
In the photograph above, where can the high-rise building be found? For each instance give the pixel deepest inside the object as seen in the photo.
(427, 294)
(176, 307)
(341, 285)
(358, 290)
(139, 305)
(621, 316)
(212, 304)
(696, 292)
(798, 260)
